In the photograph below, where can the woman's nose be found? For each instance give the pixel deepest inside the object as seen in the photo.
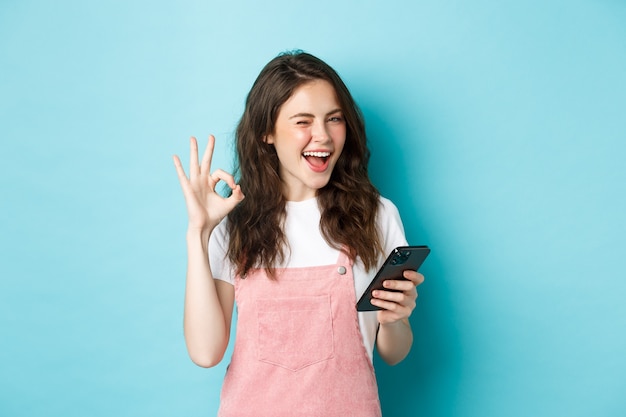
(319, 132)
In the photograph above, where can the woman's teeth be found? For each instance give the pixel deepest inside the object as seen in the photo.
(317, 154)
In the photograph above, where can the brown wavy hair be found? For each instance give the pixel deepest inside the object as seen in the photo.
(348, 203)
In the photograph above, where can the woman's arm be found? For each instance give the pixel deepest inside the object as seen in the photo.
(208, 302)
(208, 306)
(395, 337)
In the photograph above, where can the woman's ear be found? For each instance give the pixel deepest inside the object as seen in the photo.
(269, 139)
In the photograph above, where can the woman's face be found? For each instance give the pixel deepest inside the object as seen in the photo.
(309, 136)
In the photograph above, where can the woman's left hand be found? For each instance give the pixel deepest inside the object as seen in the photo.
(397, 304)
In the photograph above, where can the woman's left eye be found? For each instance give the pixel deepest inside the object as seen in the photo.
(335, 119)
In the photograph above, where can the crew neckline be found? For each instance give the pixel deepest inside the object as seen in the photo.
(302, 202)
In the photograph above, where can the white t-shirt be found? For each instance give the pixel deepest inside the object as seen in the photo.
(307, 247)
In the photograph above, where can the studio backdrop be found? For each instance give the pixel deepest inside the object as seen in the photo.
(497, 128)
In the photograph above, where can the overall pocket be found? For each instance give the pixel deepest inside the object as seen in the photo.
(295, 332)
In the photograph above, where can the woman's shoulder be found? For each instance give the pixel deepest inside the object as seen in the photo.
(387, 207)
(390, 225)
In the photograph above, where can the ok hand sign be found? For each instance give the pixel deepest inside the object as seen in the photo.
(205, 207)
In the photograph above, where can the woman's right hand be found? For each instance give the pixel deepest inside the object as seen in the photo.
(205, 207)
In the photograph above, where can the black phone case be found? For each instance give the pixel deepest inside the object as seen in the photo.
(398, 261)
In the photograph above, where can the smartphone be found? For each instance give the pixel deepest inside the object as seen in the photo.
(399, 260)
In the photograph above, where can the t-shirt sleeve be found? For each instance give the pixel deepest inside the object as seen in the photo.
(221, 267)
(391, 227)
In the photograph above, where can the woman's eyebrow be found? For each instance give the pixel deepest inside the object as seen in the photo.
(312, 115)
(301, 115)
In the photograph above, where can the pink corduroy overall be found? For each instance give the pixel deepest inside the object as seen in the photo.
(298, 349)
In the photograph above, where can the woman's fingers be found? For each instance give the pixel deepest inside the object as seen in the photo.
(205, 205)
(400, 301)
(399, 297)
(235, 198)
(182, 177)
(395, 305)
(185, 184)
(399, 284)
(222, 175)
(391, 306)
(194, 168)
(213, 179)
(415, 277)
(205, 165)
(236, 195)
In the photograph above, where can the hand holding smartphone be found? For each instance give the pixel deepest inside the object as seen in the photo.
(399, 260)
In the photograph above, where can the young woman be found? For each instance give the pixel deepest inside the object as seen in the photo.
(295, 244)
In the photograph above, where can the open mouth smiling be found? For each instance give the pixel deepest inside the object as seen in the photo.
(317, 160)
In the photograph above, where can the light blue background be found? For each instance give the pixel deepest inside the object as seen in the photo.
(497, 128)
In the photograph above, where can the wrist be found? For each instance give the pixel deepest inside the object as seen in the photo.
(202, 234)
(402, 324)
